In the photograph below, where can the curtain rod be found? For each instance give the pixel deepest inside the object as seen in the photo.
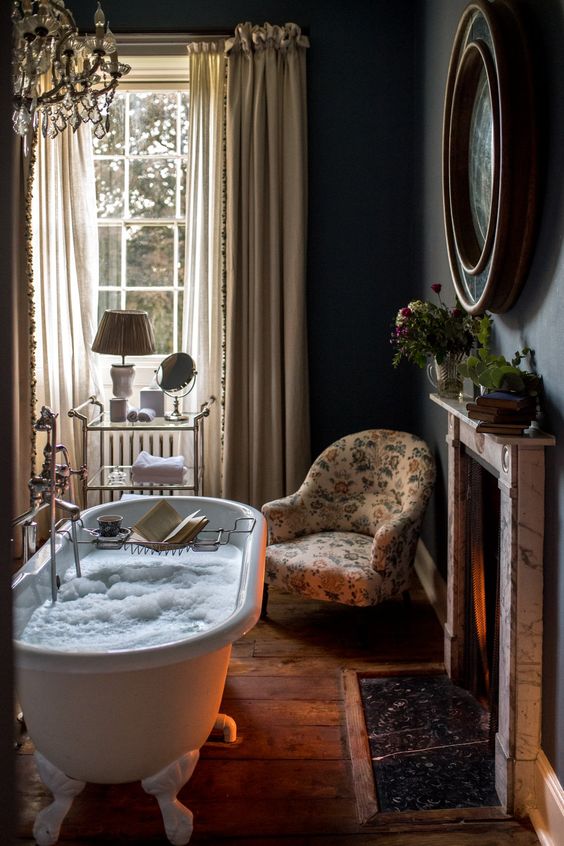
(162, 44)
(169, 38)
(172, 39)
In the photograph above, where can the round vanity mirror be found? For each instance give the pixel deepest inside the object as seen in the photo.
(176, 377)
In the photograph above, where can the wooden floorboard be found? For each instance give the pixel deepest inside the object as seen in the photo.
(288, 780)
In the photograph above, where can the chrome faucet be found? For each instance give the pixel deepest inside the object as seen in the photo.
(46, 490)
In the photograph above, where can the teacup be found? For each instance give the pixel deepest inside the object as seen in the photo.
(109, 525)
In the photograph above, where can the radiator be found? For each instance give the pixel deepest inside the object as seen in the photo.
(121, 448)
(124, 447)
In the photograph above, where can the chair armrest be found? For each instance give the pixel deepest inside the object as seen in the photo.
(394, 543)
(286, 518)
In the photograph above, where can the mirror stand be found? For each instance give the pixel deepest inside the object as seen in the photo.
(176, 415)
(176, 377)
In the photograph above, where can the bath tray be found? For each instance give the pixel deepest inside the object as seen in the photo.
(208, 540)
(108, 543)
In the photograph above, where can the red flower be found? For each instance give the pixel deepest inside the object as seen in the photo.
(406, 312)
(436, 287)
(456, 312)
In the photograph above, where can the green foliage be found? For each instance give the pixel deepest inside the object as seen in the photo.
(424, 329)
(494, 372)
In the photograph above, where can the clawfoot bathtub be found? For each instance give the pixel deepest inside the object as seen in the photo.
(114, 715)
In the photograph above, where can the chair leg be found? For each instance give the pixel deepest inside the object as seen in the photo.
(263, 611)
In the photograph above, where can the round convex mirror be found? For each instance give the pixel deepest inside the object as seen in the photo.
(490, 145)
(176, 377)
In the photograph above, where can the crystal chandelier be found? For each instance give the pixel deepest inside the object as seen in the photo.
(61, 78)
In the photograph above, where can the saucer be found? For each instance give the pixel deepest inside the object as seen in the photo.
(103, 542)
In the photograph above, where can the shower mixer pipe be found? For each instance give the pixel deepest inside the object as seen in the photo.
(46, 490)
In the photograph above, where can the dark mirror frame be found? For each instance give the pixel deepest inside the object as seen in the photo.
(489, 268)
(175, 373)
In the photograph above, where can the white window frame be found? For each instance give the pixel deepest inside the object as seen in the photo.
(149, 72)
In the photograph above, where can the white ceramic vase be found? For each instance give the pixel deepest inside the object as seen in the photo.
(122, 379)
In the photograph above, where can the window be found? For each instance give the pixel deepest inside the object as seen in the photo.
(141, 200)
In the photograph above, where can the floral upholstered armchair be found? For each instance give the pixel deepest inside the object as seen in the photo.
(349, 533)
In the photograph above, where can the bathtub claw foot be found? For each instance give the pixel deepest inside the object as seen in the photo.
(228, 726)
(48, 821)
(164, 786)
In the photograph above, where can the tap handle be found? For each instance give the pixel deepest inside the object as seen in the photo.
(46, 420)
(81, 472)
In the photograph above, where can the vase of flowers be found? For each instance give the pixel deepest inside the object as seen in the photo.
(444, 376)
(425, 330)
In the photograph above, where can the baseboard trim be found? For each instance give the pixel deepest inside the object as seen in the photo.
(548, 815)
(432, 582)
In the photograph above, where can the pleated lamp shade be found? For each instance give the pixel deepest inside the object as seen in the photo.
(123, 332)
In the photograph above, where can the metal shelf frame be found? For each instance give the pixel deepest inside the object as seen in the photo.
(100, 425)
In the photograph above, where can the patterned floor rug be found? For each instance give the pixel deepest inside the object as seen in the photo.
(429, 744)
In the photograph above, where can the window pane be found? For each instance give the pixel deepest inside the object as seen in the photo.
(109, 244)
(181, 248)
(179, 313)
(182, 188)
(150, 255)
(152, 188)
(109, 187)
(184, 101)
(113, 142)
(152, 122)
(159, 306)
(108, 299)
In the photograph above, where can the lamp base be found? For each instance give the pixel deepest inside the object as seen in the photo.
(122, 379)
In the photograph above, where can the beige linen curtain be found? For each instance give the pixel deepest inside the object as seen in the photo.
(23, 341)
(203, 318)
(65, 272)
(266, 440)
(24, 329)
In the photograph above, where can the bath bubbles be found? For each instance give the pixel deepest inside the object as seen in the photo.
(80, 587)
(132, 602)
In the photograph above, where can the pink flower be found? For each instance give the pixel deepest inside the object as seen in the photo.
(436, 287)
(406, 312)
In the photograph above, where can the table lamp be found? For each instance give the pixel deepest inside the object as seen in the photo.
(124, 332)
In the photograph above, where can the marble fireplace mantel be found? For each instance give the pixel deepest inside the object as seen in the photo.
(518, 463)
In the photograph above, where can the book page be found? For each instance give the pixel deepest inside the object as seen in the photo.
(158, 522)
(187, 530)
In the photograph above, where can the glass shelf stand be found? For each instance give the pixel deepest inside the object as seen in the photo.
(118, 444)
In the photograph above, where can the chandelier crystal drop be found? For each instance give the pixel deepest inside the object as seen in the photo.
(62, 78)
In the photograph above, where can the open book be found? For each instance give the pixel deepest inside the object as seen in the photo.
(163, 524)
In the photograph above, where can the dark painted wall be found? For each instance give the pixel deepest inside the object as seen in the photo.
(361, 106)
(536, 319)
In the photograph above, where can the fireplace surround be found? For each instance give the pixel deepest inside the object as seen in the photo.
(518, 463)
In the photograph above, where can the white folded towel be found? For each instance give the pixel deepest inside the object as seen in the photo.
(145, 415)
(153, 469)
(132, 414)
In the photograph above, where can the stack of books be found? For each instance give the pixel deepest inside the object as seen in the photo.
(502, 412)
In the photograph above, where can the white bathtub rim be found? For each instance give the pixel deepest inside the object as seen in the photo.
(151, 498)
(238, 623)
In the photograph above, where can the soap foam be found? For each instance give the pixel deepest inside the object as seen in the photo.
(125, 601)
